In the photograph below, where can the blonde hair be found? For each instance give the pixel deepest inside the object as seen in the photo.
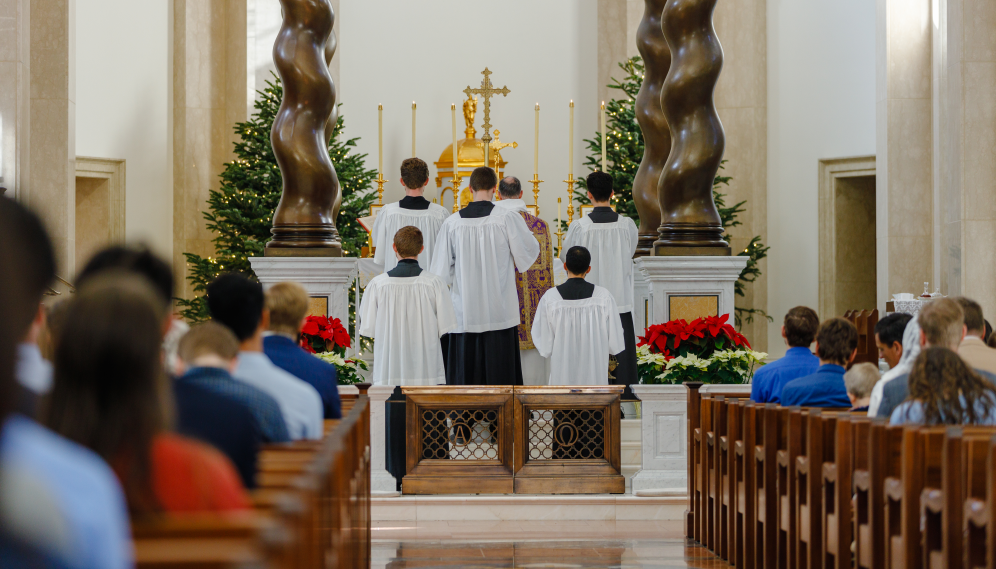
(942, 322)
(860, 379)
(288, 305)
(208, 339)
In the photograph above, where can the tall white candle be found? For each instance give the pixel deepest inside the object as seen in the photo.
(413, 129)
(558, 214)
(380, 140)
(536, 145)
(603, 135)
(570, 146)
(456, 163)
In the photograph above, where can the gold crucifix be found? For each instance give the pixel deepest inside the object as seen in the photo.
(486, 91)
(497, 145)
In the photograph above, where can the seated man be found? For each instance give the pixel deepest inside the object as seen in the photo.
(798, 331)
(942, 325)
(288, 306)
(859, 381)
(836, 346)
(238, 303)
(211, 406)
(406, 311)
(577, 326)
(973, 348)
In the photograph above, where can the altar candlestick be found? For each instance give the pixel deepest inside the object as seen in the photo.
(380, 140)
(570, 146)
(558, 213)
(456, 164)
(413, 129)
(603, 135)
(536, 144)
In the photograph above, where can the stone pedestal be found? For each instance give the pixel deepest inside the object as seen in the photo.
(690, 287)
(327, 279)
(665, 437)
(381, 481)
(641, 300)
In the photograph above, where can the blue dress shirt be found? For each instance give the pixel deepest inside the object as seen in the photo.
(911, 412)
(264, 407)
(288, 356)
(766, 387)
(825, 388)
(82, 486)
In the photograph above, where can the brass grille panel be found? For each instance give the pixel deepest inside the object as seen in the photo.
(461, 434)
(566, 434)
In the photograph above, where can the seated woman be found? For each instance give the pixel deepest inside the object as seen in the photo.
(945, 391)
(110, 394)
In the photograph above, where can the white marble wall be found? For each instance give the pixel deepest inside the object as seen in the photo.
(15, 69)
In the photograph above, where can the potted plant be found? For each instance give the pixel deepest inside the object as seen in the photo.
(706, 350)
(328, 339)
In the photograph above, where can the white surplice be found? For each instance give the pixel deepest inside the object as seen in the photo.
(406, 316)
(476, 256)
(393, 217)
(612, 246)
(578, 336)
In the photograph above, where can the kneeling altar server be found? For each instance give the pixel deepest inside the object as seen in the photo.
(406, 311)
(577, 326)
(612, 239)
(413, 210)
(478, 250)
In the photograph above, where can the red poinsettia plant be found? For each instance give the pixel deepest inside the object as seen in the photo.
(706, 349)
(320, 334)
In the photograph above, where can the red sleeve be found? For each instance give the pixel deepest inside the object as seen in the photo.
(192, 477)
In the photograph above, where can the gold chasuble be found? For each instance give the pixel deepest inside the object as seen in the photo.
(534, 282)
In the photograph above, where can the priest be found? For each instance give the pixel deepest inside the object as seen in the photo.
(478, 250)
(413, 210)
(577, 326)
(611, 239)
(532, 284)
(406, 311)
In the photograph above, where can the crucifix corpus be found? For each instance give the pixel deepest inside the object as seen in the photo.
(486, 90)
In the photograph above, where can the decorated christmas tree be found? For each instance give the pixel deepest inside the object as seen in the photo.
(241, 209)
(624, 151)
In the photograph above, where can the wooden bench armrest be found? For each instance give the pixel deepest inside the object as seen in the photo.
(894, 489)
(862, 480)
(830, 471)
(783, 458)
(976, 512)
(932, 500)
(802, 464)
(739, 448)
(724, 443)
(759, 453)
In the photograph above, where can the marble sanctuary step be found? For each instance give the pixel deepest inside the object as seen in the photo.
(529, 507)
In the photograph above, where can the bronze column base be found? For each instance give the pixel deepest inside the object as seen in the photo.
(679, 239)
(304, 241)
(645, 246)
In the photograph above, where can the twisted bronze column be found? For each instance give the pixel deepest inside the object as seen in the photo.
(690, 222)
(304, 222)
(656, 136)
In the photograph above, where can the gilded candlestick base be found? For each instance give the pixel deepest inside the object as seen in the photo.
(456, 193)
(570, 181)
(536, 182)
(380, 188)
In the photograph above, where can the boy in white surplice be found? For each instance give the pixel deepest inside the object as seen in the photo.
(577, 326)
(406, 311)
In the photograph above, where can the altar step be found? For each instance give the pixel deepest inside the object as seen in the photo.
(607, 507)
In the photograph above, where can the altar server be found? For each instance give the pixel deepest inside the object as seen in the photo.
(532, 284)
(577, 326)
(477, 251)
(406, 311)
(413, 210)
(611, 239)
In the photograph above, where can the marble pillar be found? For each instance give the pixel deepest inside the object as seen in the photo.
(904, 193)
(210, 95)
(612, 44)
(52, 146)
(15, 75)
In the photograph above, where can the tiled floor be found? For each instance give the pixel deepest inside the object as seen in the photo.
(536, 544)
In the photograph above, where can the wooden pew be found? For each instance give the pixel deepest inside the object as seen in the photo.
(788, 450)
(772, 425)
(920, 468)
(818, 434)
(980, 506)
(745, 510)
(837, 489)
(694, 427)
(864, 321)
(884, 462)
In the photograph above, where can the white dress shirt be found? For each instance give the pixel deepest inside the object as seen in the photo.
(34, 372)
(299, 402)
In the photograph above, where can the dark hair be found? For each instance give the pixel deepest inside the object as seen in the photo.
(989, 331)
(10, 333)
(414, 173)
(510, 187)
(483, 178)
(891, 328)
(974, 321)
(109, 390)
(30, 258)
(236, 302)
(577, 260)
(599, 185)
(836, 340)
(801, 324)
(138, 260)
(939, 380)
(408, 240)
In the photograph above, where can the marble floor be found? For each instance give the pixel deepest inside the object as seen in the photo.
(536, 544)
